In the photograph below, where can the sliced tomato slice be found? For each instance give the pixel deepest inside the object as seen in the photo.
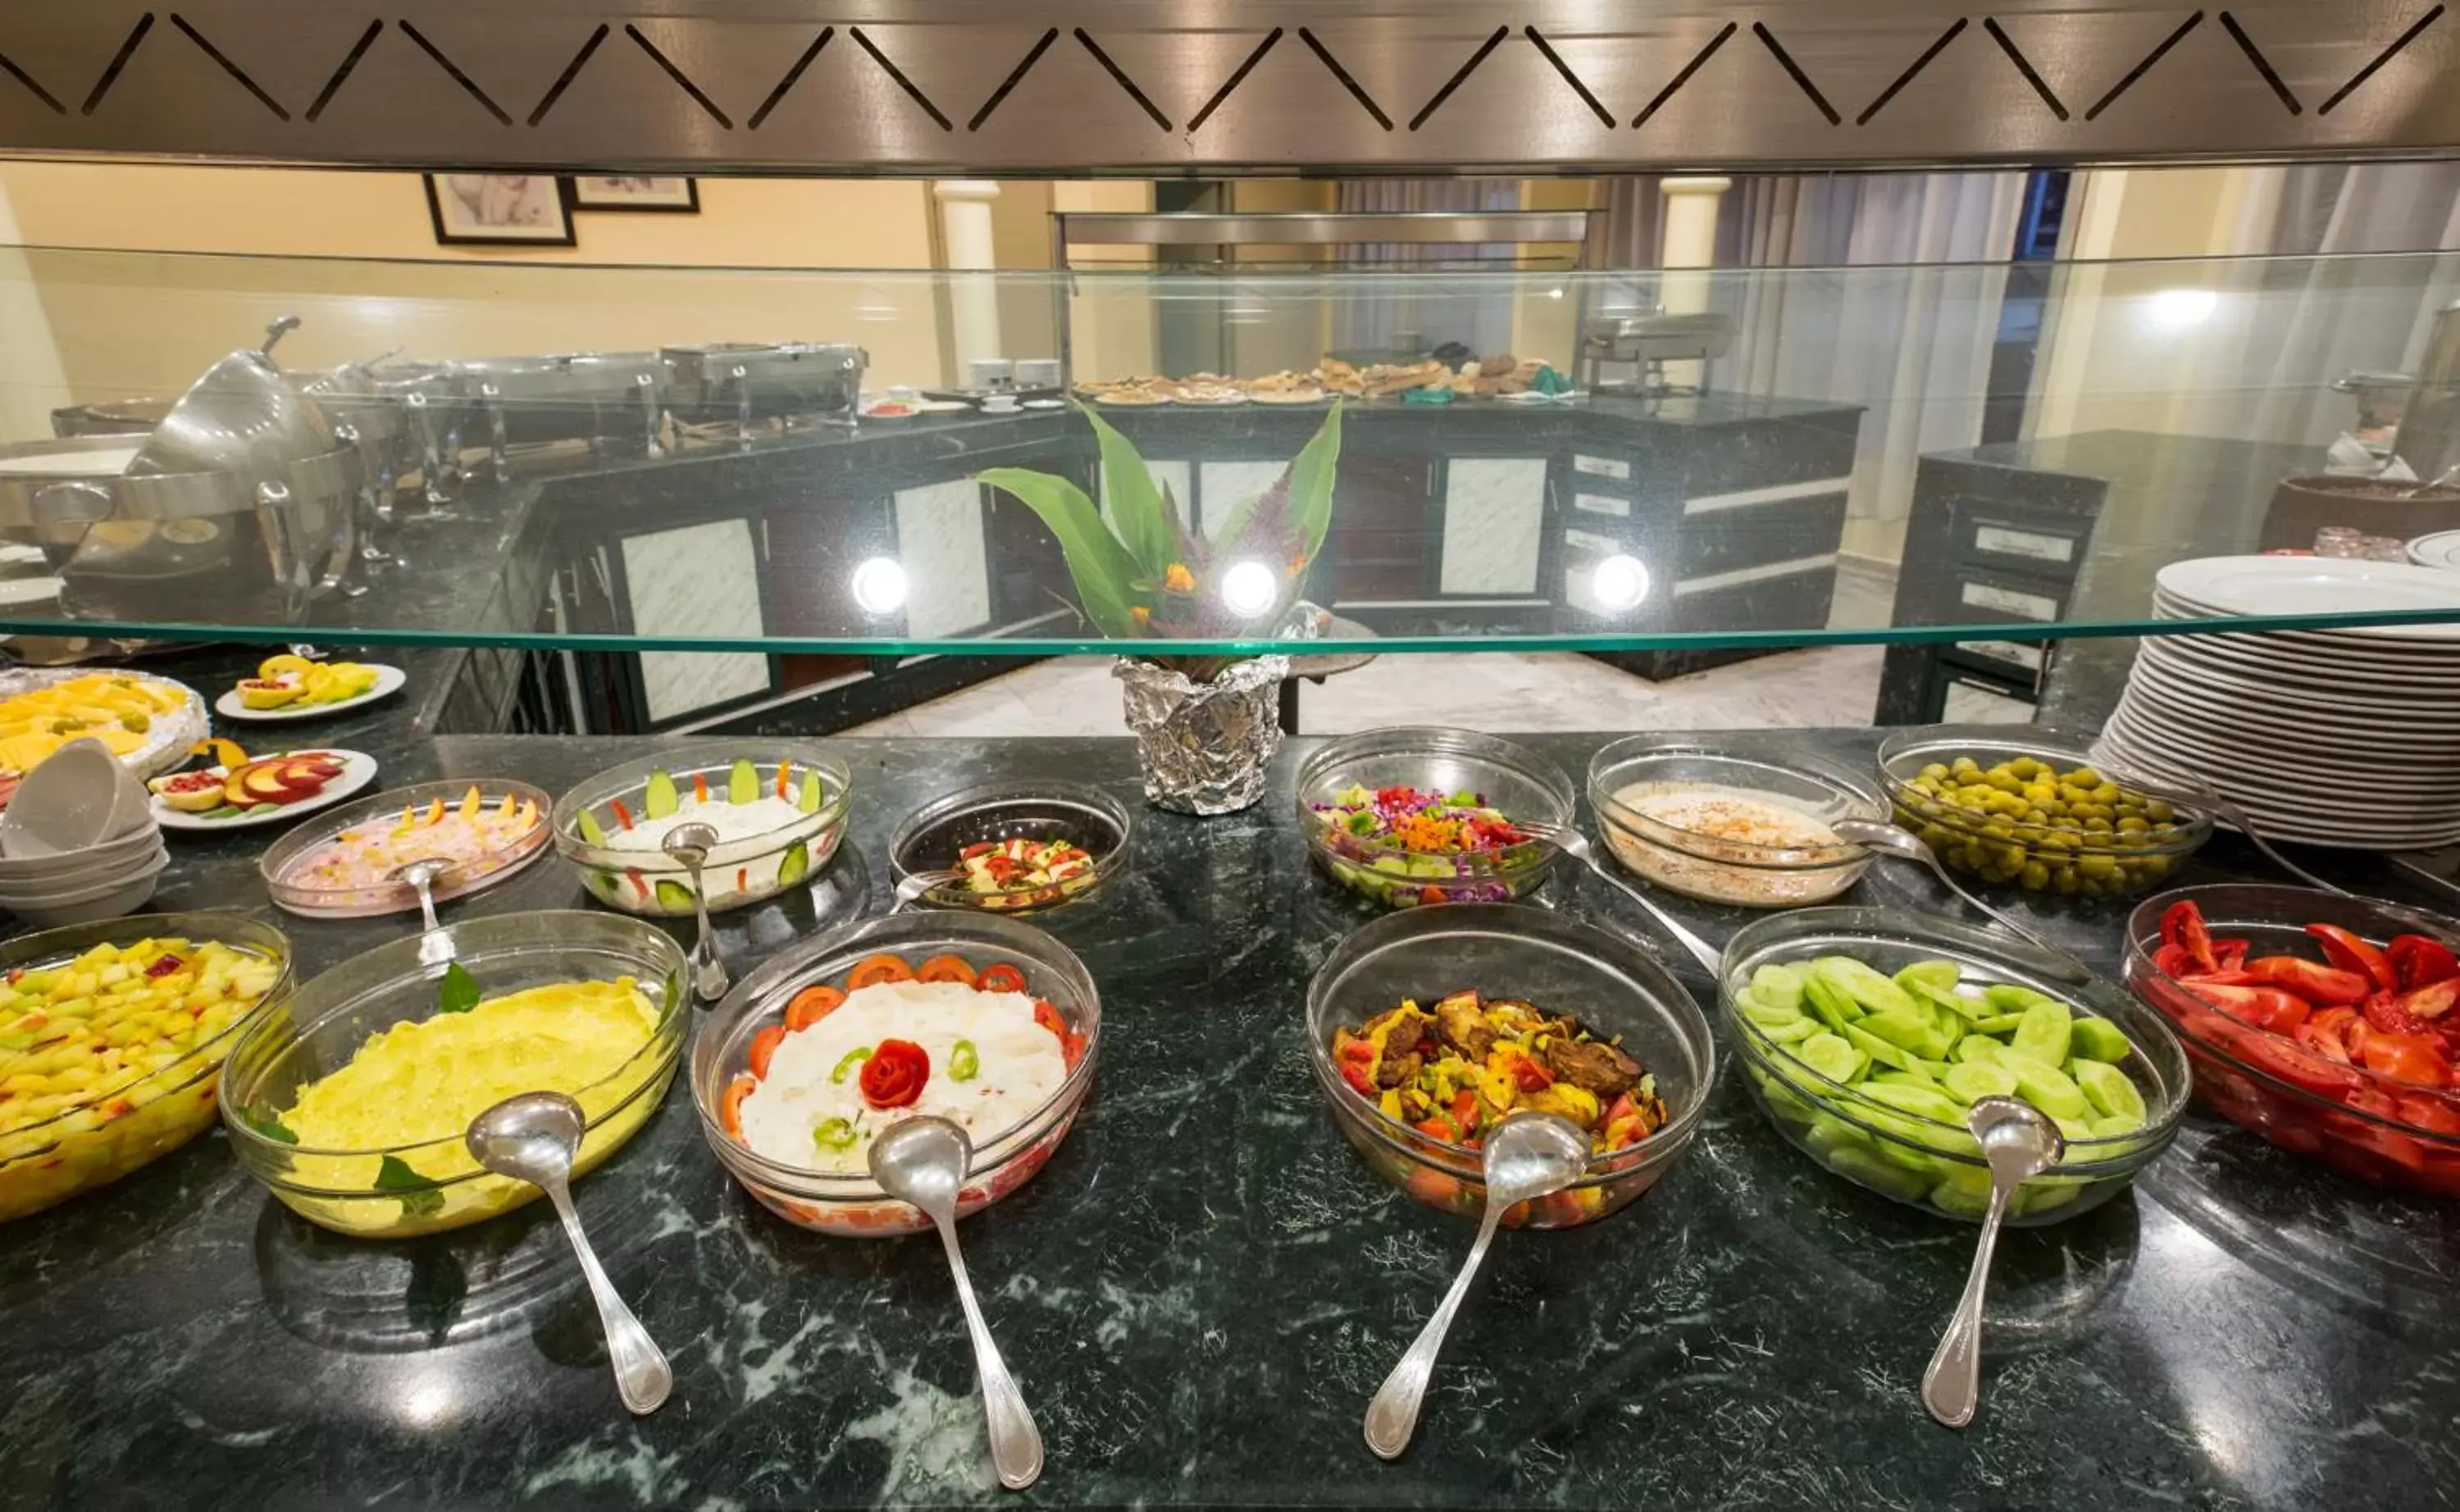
(2352, 953)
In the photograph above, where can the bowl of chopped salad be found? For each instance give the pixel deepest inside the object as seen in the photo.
(1404, 816)
(1013, 848)
(1426, 1029)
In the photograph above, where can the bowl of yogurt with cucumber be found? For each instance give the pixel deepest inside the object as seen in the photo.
(778, 808)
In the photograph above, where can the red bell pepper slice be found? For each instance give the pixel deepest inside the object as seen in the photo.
(1356, 1075)
(1464, 1108)
(2350, 953)
(2182, 925)
(2407, 1058)
(2417, 960)
(2323, 986)
(2266, 1008)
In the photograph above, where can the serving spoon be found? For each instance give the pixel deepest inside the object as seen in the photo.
(1896, 840)
(533, 1137)
(690, 844)
(1575, 844)
(911, 891)
(2020, 1143)
(1529, 1156)
(924, 1161)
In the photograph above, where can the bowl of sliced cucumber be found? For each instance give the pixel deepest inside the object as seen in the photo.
(1865, 1034)
(778, 808)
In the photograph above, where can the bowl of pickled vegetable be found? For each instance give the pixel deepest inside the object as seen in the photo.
(1403, 817)
(112, 1037)
(1427, 1028)
(2024, 807)
(1865, 1033)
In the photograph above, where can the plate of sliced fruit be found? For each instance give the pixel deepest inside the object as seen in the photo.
(292, 687)
(239, 790)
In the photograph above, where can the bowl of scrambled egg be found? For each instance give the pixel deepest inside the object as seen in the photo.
(349, 1102)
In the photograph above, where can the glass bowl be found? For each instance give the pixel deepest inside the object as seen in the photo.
(1523, 785)
(941, 831)
(609, 827)
(854, 1205)
(120, 1120)
(1739, 870)
(431, 1184)
(1923, 1162)
(2014, 849)
(2394, 1133)
(1614, 986)
(387, 830)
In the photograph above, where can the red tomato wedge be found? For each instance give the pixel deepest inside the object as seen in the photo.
(2323, 986)
(2350, 953)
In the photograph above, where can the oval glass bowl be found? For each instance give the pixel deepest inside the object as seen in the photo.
(1714, 868)
(938, 834)
(854, 1205)
(1518, 782)
(395, 820)
(1616, 989)
(122, 1122)
(431, 1184)
(2404, 1134)
(1919, 1160)
(2010, 850)
(595, 821)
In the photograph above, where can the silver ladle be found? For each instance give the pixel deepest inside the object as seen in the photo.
(2020, 1143)
(533, 1137)
(911, 891)
(1575, 844)
(1529, 1156)
(690, 844)
(1896, 840)
(923, 1162)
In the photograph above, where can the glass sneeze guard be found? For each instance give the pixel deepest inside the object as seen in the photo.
(735, 460)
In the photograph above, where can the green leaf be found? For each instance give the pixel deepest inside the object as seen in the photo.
(1144, 526)
(419, 1197)
(457, 993)
(1102, 567)
(271, 1128)
(1311, 481)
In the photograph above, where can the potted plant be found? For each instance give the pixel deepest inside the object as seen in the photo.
(1206, 724)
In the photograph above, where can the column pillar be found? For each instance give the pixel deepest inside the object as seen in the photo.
(973, 302)
(1691, 237)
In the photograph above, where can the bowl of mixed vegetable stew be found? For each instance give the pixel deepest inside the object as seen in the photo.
(2318, 1021)
(1426, 1027)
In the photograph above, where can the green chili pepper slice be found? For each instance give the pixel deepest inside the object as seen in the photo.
(845, 1068)
(834, 1134)
(965, 1062)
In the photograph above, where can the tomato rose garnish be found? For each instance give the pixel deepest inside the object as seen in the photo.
(893, 1075)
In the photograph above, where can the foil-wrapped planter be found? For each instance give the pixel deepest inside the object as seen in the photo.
(1204, 745)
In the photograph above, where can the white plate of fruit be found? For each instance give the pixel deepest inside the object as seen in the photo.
(239, 790)
(291, 686)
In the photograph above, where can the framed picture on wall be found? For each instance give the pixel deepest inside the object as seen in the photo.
(667, 195)
(500, 210)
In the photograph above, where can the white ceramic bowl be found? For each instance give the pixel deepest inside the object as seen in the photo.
(109, 901)
(73, 799)
(40, 873)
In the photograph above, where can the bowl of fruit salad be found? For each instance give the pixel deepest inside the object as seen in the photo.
(1012, 847)
(349, 1101)
(1865, 1033)
(778, 808)
(1413, 815)
(981, 1021)
(112, 1036)
(1425, 1029)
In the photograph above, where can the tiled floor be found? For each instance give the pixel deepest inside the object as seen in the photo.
(1833, 685)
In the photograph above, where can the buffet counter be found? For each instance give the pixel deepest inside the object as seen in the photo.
(1202, 1290)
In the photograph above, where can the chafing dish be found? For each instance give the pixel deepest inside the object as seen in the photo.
(741, 383)
(1643, 344)
(613, 401)
(110, 417)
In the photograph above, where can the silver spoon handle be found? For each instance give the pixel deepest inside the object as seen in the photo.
(425, 887)
(1393, 1417)
(1711, 959)
(643, 1377)
(1952, 1386)
(1016, 1444)
(708, 973)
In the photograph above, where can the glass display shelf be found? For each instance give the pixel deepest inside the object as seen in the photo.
(762, 461)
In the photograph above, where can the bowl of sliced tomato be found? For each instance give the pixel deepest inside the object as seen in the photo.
(981, 1021)
(2327, 1025)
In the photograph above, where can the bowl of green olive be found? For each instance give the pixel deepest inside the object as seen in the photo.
(2022, 806)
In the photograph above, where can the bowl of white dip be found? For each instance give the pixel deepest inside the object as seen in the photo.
(778, 808)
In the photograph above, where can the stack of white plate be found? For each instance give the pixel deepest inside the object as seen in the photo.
(2341, 737)
(2441, 549)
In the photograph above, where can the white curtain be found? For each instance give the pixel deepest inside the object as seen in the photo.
(1480, 321)
(1881, 290)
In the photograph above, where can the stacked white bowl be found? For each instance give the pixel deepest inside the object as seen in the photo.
(78, 840)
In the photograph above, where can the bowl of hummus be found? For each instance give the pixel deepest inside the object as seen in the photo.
(1743, 824)
(983, 1021)
(349, 1101)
